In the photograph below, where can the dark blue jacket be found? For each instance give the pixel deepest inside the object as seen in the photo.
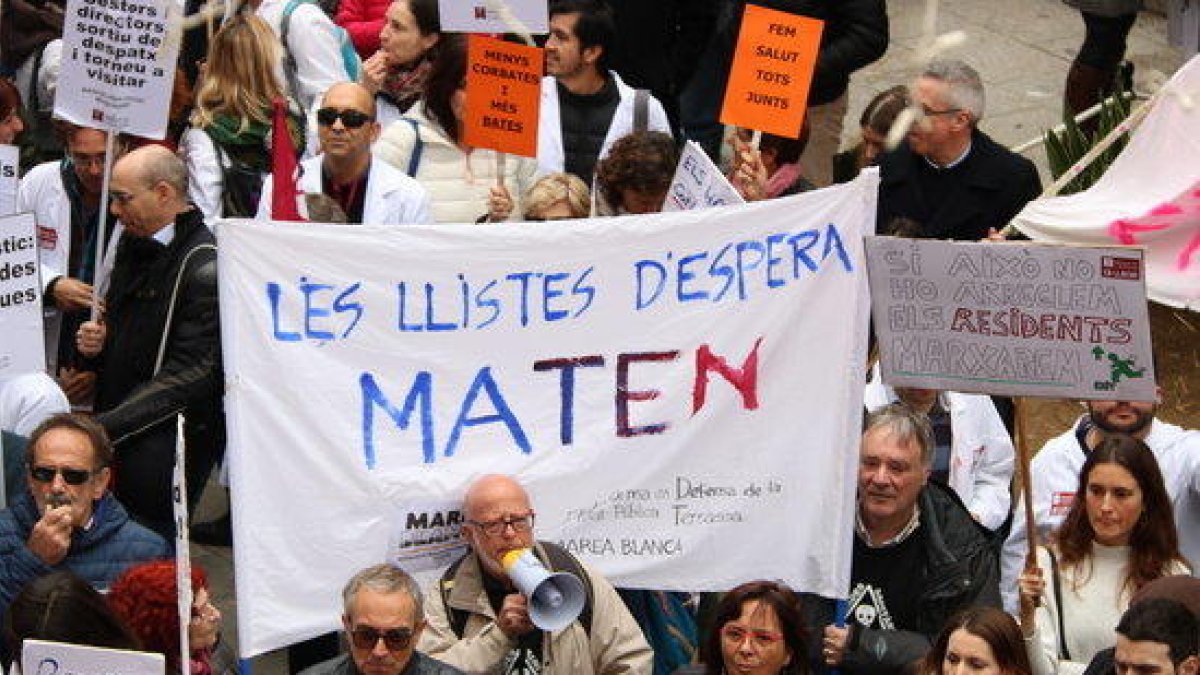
(98, 555)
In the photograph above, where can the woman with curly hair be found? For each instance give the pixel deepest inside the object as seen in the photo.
(1118, 536)
(146, 598)
(231, 124)
(636, 173)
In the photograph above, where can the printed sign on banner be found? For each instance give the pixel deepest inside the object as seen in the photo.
(1012, 319)
(10, 178)
(486, 16)
(698, 183)
(638, 374)
(23, 349)
(772, 71)
(118, 65)
(504, 86)
(425, 536)
(39, 657)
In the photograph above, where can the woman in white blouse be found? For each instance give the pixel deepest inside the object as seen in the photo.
(1118, 536)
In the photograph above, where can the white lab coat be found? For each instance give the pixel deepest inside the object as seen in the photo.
(315, 44)
(392, 197)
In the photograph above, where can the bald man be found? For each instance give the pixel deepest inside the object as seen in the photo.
(479, 622)
(149, 369)
(368, 191)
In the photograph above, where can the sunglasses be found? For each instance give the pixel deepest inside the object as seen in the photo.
(351, 119)
(45, 474)
(395, 639)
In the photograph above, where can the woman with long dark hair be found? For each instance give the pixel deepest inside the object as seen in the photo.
(1118, 536)
(407, 47)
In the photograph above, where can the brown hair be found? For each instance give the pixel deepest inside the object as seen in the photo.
(993, 626)
(97, 437)
(62, 607)
(786, 605)
(10, 99)
(1154, 542)
(642, 161)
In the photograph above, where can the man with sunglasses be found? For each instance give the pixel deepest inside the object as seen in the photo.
(368, 191)
(383, 616)
(68, 519)
(479, 621)
(949, 177)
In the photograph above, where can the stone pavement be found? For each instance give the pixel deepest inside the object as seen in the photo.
(1022, 48)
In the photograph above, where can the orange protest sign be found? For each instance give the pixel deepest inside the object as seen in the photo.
(504, 87)
(772, 70)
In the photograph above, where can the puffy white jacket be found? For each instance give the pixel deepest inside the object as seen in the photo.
(981, 451)
(458, 183)
(550, 156)
(392, 197)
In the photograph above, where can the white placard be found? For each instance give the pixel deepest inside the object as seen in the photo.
(183, 551)
(39, 657)
(426, 537)
(666, 386)
(118, 65)
(23, 349)
(1014, 319)
(487, 16)
(698, 183)
(10, 178)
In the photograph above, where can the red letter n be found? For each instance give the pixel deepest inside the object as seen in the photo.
(744, 380)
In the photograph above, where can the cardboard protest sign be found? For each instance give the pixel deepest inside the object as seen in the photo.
(425, 536)
(39, 657)
(504, 85)
(772, 71)
(487, 16)
(23, 349)
(10, 178)
(639, 374)
(118, 65)
(698, 183)
(1013, 319)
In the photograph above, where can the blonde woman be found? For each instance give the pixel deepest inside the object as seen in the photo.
(227, 148)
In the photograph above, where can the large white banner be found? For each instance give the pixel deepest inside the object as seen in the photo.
(23, 349)
(681, 394)
(118, 64)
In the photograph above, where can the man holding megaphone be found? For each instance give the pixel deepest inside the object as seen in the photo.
(516, 605)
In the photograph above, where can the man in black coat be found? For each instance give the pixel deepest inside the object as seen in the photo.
(158, 346)
(949, 178)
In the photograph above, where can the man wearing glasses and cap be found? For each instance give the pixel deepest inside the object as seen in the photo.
(383, 618)
(68, 519)
(480, 622)
(368, 191)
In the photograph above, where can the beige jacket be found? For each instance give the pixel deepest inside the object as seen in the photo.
(616, 645)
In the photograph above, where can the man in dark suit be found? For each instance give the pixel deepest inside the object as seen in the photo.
(950, 178)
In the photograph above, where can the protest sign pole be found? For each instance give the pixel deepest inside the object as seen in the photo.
(183, 555)
(756, 138)
(109, 143)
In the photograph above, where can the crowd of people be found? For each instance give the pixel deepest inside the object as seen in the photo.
(369, 98)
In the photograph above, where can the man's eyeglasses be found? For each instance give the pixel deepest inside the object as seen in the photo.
(45, 474)
(930, 112)
(494, 528)
(82, 160)
(395, 639)
(758, 638)
(122, 198)
(351, 119)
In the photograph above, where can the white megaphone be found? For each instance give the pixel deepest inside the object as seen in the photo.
(555, 599)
